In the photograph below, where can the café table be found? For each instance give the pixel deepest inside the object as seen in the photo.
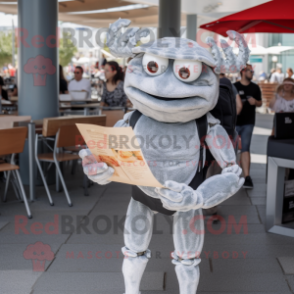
(6, 102)
(8, 121)
(14, 99)
(63, 107)
(86, 107)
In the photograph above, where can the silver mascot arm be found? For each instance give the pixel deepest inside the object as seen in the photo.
(219, 144)
(214, 190)
(100, 172)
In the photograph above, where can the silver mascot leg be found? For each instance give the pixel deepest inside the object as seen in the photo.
(137, 236)
(188, 240)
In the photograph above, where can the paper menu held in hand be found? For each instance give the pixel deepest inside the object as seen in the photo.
(119, 148)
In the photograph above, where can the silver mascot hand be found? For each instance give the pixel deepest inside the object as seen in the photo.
(98, 172)
(213, 191)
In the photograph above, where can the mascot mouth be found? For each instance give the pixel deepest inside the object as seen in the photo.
(166, 99)
(168, 109)
(178, 102)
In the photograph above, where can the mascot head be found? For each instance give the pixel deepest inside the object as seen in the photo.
(173, 80)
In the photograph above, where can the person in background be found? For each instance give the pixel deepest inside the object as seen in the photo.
(11, 70)
(284, 98)
(3, 92)
(277, 76)
(103, 62)
(284, 102)
(239, 104)
(63, 89)
(251, 98)
(262, 76)
(1, 85)
(273, 70)
(290, 73)
(80, 84)
(13, 91)
(113, 89)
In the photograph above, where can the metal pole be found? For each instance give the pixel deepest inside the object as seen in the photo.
(57, 182)
(192, 27)
(169, 18)
(13, 44)
(32, 163)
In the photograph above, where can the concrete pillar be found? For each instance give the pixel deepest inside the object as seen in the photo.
(38, 81)
(192, 27)
(169, 18)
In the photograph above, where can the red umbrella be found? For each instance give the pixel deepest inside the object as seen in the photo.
(272, 17)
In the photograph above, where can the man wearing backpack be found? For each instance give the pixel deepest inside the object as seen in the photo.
(251, 98)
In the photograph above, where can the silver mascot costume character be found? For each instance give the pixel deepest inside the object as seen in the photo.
(170, 99)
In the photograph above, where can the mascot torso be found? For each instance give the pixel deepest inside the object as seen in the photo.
(171, 150)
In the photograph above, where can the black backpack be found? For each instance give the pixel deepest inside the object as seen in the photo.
(225, 109)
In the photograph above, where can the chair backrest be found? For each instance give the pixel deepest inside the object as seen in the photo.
(69, 136)
(52, 125)
(112, 116)
(8, 121)
(12, 140)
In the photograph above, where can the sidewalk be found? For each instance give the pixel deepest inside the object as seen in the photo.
(88, 259)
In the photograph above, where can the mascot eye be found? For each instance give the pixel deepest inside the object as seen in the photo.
(186, 70)
(154, 65)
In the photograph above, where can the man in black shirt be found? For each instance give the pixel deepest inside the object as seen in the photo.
(251, 98)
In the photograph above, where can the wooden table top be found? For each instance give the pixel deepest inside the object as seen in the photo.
(85, 105)
(14, 98)
(82, 100)
(5, 102)
(7, 121)
(91, 100)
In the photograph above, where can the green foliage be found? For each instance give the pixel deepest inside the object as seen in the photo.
(5, 48)
(67, 49)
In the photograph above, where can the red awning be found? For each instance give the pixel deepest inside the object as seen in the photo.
(272, 17)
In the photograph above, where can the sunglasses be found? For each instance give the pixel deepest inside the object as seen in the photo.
(252, 71)
(77, 72)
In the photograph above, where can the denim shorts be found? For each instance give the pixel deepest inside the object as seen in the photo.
(245, 132)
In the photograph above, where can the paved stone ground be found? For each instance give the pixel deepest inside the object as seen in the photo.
(88, 259)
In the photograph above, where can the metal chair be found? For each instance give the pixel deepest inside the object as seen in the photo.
(12, 144)
(113, 114)
(63, 131)
(66, 137)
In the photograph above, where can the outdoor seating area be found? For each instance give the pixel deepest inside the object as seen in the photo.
(59, 136)
(241, 254)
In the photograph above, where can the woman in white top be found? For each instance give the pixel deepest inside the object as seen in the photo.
(284, 98)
